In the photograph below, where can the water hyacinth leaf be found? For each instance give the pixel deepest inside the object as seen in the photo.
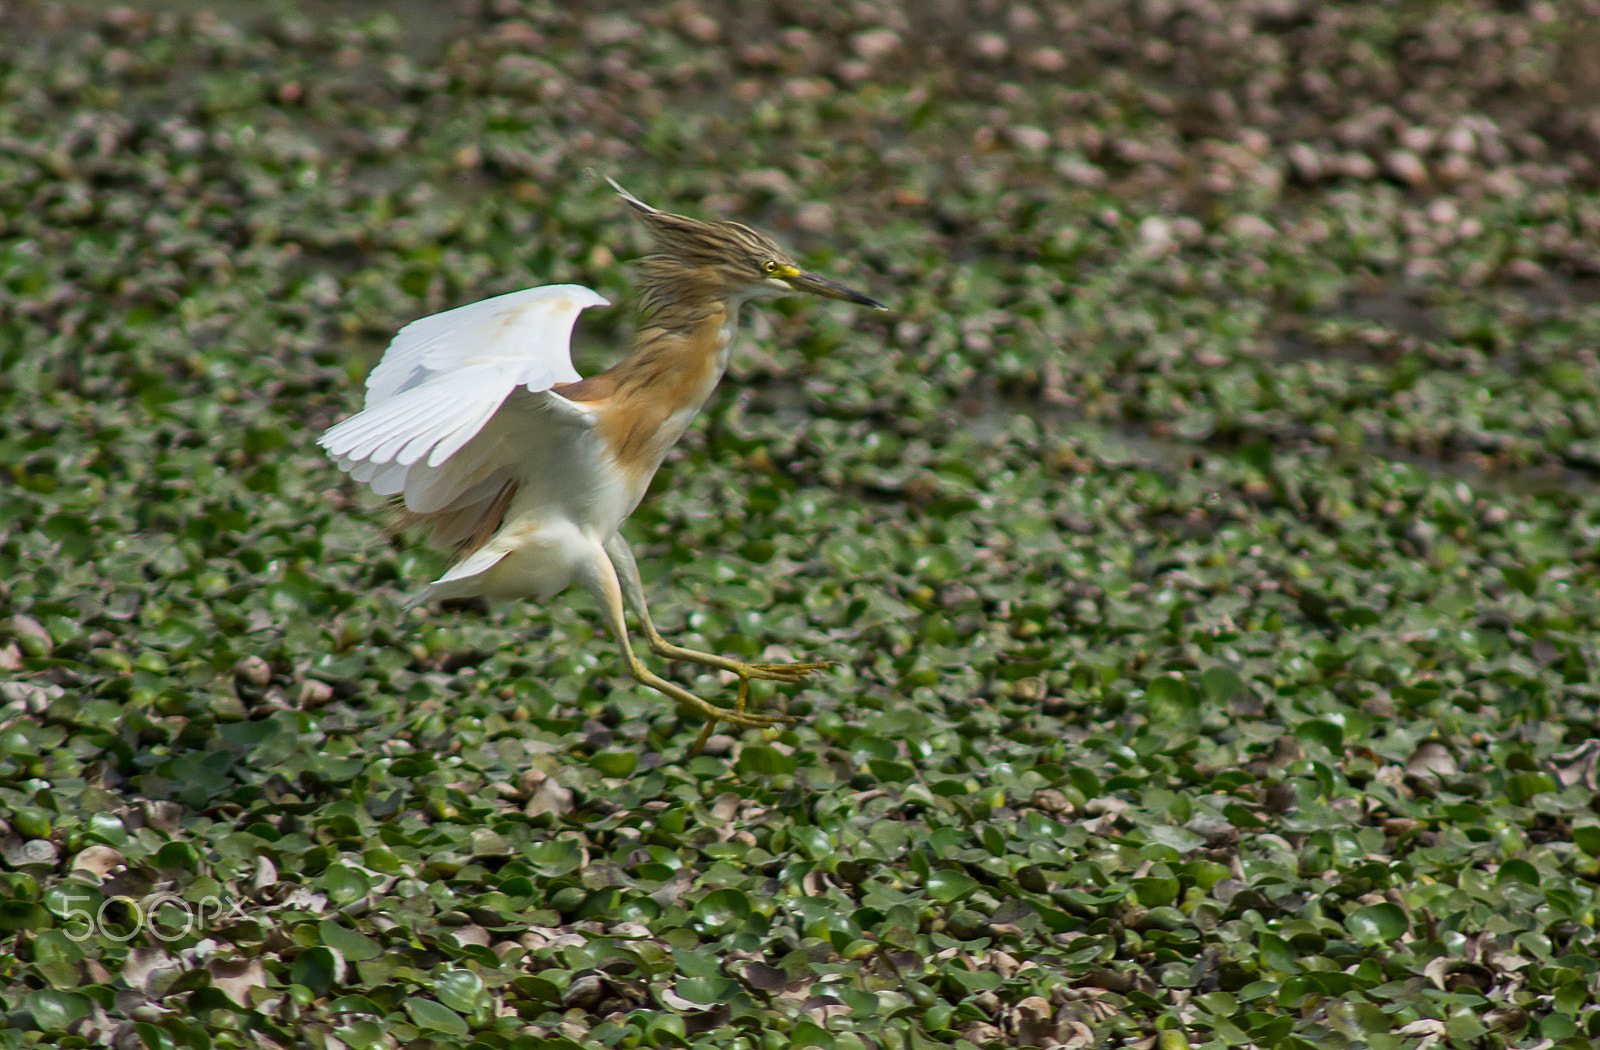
(55, 1010)
(361, 1034)
(1524, 786)
(18, 914)
(1153, 892)
(813, 840)
(1221, 684)
(1174, 707)
(352, 945)
(318, 969)
(554, 858)
(722, 909)
(891, 772)
(615, 763)
(766, 761)
(947, 885)
(1321, 731)
(667, 1029)
(1181, 840)
(461, 990)
(973, 982)
(1357, 617)
(1171, 693)
(1276, 954)
(706, 991)
(344, 884)
(1202, 542)
(434, 1017)
(1377, 923)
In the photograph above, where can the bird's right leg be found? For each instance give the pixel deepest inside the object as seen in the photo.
(633, 590)
(601, 576)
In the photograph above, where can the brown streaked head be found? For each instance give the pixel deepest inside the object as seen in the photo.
(740, 262)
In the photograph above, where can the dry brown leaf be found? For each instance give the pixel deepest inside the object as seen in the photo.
(1431, 759)
(144, 965)
(235, 977)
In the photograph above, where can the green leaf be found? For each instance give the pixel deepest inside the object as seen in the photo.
(757, 760)
(723, 909)
(1571, 996)
(177, 855)
(1376, 924)
(1206, 873)
(1523, 786)
(361, 1033)
(1085, 781)
(706, 991)
(1522, 578)
(461, 990)
(1463, 1026)
(1321, 731)
(55, 1010)
(1170, 691)
(344, 884)
(317, 969)
(1173, 706)
(1277, 955)
(1221, 684)
(1357, 616)
(812, 840)
(553, 858)
(947, 885)
(22, 915)
(973, 982)
(435, 1017)
(617, 764)
(808, 1033)
(891, 772)
(355, 947)
(1180, 839)
(1153, 892)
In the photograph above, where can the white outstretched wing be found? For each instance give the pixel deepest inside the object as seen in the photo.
(442, 380)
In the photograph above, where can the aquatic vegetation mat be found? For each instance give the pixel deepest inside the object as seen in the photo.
(1206, 541)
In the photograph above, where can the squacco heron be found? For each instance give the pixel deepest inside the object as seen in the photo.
(477, 420)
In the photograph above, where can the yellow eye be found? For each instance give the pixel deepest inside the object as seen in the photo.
(771, 267)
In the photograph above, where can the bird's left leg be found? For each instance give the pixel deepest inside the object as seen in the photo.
(633, 590)
(602, 580)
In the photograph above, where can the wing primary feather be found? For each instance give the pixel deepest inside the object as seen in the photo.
(443, 379)
(452, 443)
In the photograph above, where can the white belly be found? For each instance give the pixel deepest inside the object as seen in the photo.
(570, 501)
(534, 560)
(571, 497)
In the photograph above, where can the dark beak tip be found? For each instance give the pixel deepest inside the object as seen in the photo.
(828, 288)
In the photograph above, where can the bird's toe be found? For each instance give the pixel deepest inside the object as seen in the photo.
(787, 673)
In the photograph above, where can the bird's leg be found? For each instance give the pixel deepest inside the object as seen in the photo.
(633, 590)
(711, 726)
(601, 577)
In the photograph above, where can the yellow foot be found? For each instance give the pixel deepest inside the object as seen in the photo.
(789, 674)
(737, 715)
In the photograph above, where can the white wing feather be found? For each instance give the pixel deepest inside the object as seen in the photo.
(444, 378)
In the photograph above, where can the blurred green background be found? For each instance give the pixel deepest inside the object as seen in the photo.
(1206, 540)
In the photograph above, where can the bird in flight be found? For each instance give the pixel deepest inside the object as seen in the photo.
(477, 422)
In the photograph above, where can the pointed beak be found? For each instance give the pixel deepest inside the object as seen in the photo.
(813, 284)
